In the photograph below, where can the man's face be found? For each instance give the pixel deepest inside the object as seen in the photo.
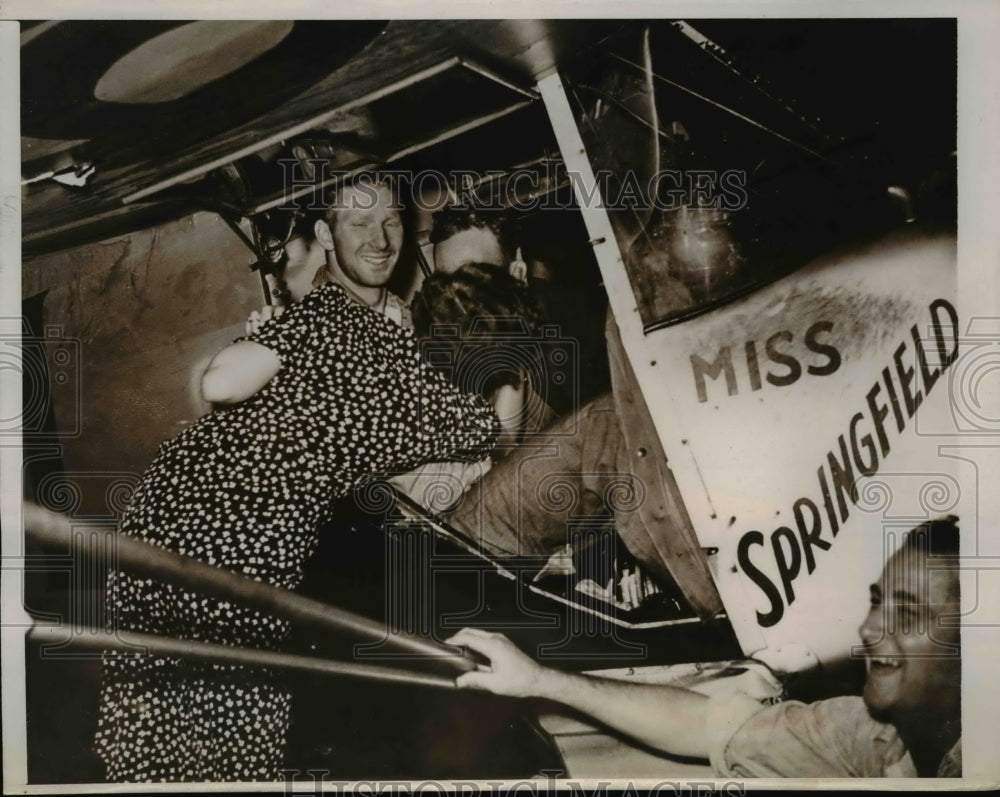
(911, 658)
(366, 235)
(474, 245)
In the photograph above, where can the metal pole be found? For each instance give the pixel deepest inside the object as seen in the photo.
(183, 571)
(149, 644)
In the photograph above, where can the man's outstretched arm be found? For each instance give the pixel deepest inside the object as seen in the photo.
(663, 717)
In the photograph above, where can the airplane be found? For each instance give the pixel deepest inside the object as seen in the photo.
(760, 212)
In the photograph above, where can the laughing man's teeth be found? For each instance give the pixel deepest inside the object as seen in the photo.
(884, 662)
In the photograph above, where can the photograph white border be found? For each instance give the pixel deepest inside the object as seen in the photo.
(978, 293)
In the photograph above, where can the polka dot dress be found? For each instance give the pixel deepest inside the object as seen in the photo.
(246, 488)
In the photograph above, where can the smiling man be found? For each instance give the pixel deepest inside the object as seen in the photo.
(911, 641)
(906, 724)
(362, 233)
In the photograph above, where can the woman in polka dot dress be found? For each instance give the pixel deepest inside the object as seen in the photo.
(246, 488)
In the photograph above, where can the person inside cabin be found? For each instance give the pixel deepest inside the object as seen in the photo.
(309, 406)
(481, 327)
(479, 273)
(466, 234)
(507, 515)
(907, 722)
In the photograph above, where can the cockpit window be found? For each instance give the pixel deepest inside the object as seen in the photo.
(718, 180)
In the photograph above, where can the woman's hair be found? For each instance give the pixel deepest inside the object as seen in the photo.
(480, 325)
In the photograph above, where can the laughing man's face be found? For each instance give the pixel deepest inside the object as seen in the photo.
(912, 658)
(367, 235)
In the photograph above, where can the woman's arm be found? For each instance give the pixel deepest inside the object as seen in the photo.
(663, 717)
(238, 371)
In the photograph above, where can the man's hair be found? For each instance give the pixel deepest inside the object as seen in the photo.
(452, 220)
(937, 539)
(495, 317)
(366, 182)
(316, 154)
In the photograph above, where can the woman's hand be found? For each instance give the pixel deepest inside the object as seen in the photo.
(509, 403)
(518, 269)
(510, 672)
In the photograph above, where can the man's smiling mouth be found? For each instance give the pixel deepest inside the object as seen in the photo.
(378, 260)
(881, 663)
